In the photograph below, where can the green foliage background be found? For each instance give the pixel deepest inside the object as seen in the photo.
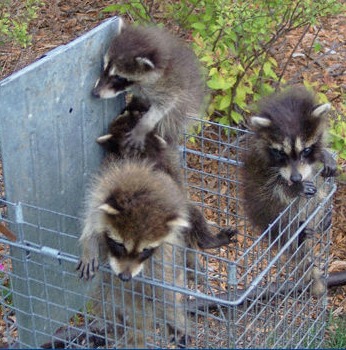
(15, 20)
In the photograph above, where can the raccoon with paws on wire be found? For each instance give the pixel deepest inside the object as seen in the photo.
(284, 154)
(153, 64)
(133, 213)
(136, 207)
(164, 158)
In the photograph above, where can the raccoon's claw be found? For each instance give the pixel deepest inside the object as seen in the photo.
(329, 170)
(134, 141)
(329, 165)
(227, 234)
(87, 270)
(305, 235)
(309, 189)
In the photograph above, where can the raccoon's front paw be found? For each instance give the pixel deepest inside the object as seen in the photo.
(306, 235)
(309, 189)
(135, 141)
(87, 268)
(318, 283)
(329, 165)
(329, 168)
(226, 235)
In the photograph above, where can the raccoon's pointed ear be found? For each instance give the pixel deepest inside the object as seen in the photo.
(320, 110)
(108, 209)
(260, 122)
(122, 24)
(104, 138)
(178, 222)
(146, 62)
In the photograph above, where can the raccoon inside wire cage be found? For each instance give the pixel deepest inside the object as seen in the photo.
(248, 294)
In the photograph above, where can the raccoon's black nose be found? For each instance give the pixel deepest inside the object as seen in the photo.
(125, 276)
(296, 177)
(95, 93)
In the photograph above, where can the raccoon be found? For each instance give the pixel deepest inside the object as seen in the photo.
(155, 149)
(284, 153)
(137, 209)
(133, 211)
(165, 158)
(151, 63)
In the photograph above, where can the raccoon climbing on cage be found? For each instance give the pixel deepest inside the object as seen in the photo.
(136, 207)
(134, 211)
(155, 65)
(288, 144)
(155, 148)
(163, 159)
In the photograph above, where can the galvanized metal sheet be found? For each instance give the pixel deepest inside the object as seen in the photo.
(49, 123)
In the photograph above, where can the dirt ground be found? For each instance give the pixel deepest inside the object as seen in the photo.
(62, 21)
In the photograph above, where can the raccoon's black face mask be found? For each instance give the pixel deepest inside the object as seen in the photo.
(126, 264)
(109, 86)
(119, 251)
(294, 164)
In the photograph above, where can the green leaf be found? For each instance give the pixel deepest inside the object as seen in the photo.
(225, 102)
(240, 98)
(236, 116)
(217, 82)
(317, 47)
(223, 120)
(213, 71)
(198, 26)
(111, 8)
(267, 68)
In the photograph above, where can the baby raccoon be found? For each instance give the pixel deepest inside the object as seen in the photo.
(132, 208)
(153, 64)
(136, 208)
(166, 158)
(133, 211)
(284, 153)
(155, 148)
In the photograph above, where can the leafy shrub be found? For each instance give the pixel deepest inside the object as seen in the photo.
(338, 136)
(233, 40)
(15, 19)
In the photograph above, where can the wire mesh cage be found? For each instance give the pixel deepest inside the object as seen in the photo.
(246, 295)
(249, 294)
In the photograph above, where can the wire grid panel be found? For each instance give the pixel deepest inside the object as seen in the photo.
(246, 295)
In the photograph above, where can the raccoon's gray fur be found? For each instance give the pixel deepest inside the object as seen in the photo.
(284, 153)
(156, 149)
(137, 206)
(133, 211)
(165, 158)
(156, 66)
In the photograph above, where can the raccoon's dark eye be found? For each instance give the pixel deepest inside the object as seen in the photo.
(116, 249)
(278, 154)
(306, 152)
(120, 79)
(146, 253)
